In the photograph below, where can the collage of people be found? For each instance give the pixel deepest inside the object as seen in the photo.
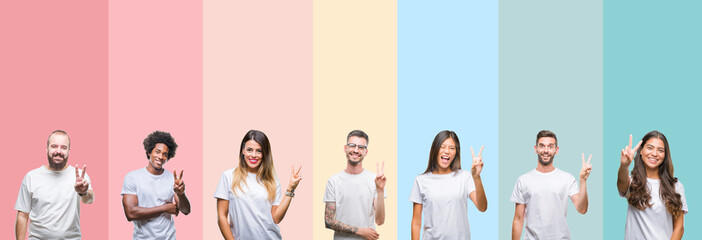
(313, 120)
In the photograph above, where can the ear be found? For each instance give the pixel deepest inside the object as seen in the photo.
(556, 152)
(536, 150)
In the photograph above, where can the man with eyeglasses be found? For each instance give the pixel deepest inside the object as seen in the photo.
(540, 196)
(50, 195)
(355, 198)
(150, 196)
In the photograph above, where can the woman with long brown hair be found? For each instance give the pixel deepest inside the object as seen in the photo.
(656, 198)
(249, 204)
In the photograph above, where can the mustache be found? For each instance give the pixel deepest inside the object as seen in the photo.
(58, 154)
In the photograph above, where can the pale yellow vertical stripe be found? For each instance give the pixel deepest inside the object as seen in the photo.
(355, 87)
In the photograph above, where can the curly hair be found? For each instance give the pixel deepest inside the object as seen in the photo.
(639, 195)
(160, 137)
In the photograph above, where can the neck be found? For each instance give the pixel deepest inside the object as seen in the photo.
(56, 168)
(354, 169)
(442, 171)
(153, 170)
(545, 168)
(652, 173)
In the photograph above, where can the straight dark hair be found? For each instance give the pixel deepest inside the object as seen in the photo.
(436, 146)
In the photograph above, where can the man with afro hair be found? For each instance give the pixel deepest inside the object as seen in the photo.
(150, 196)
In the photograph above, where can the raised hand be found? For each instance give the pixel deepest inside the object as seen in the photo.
(477, 166)
(178, 185)
(628, 153)
(585, 171)
(380, 176)
(81, 184)
(295, 178)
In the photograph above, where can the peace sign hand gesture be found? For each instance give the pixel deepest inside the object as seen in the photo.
(477, 166)
(178, 185)
(585, 171)
(295, 178)
(628, 152)
(380, 177)
(81, 184)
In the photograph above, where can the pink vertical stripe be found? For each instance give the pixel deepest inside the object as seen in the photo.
(53, 66)
(155, 83)
(258, 75)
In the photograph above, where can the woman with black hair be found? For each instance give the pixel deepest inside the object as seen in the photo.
(657, 205)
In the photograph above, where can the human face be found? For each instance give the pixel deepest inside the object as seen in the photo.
(355, 154)
(653, 153)
(158, 156)
(546, 150)
(253, 155)
(57, 151)
(446, 154)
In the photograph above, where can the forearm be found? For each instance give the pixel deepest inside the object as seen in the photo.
(143, 213)
(416, 226)
(678, 227)
(517, 225)
(582, 203)
(481, 202)
(223, 223)
(183, 204)
(331, 222)
(282, 209)
(380, 207)
(623, 179)
(88, 197)
(21, 225)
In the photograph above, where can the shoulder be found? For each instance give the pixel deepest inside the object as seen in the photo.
(679, 186)
(229, 173)
(526, 175)
(336, 176)
(563, 174)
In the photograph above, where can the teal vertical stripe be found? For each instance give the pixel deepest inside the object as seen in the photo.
(447, 79)
(652, 82)
(550, 68)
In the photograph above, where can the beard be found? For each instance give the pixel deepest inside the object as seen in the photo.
(352, 162)
(544, 162)
(55, 165)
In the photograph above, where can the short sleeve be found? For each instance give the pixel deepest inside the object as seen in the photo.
(278, 197)
(416, 195)
(330, 191)
(24, 198)
(129, 185)
(681, 190)
(519, 194)
(573, 187)
(222, 190)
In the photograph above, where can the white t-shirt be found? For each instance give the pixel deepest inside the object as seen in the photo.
(654, 222)
(151, 191)
(444, 203)
(52, 203)
(249, 212)
(353, 195)
(546, 197)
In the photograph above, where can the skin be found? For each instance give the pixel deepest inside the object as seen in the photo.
(57, 151)
(354, 165)
(157, 158)
(448, 149)
(253, 154)
(546, 149)
(652, 154)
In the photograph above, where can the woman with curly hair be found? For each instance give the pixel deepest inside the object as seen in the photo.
(249, 204)
(656, 198)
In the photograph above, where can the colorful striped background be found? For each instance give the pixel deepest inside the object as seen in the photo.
(308, 72)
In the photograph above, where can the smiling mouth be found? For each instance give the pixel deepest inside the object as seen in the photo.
(445, 159)
(253, 161)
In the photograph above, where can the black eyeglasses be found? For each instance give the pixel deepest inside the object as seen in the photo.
(353, 145)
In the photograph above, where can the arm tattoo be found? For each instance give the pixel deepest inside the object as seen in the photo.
(331, 222)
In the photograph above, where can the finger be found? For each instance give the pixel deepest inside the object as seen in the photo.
(77, 176)
(638, 145)
(85, 167)
(472, 152)
(631, 138)
(181, 174)
(382, 168)
(481, 151)
(298, 170)
(583, 158)
(588, 160)
(174, 175)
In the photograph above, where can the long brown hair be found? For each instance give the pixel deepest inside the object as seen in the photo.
(266, 171)
(639, 195)
(436, 146)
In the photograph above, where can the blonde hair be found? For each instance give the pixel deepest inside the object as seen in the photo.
(266, 171)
